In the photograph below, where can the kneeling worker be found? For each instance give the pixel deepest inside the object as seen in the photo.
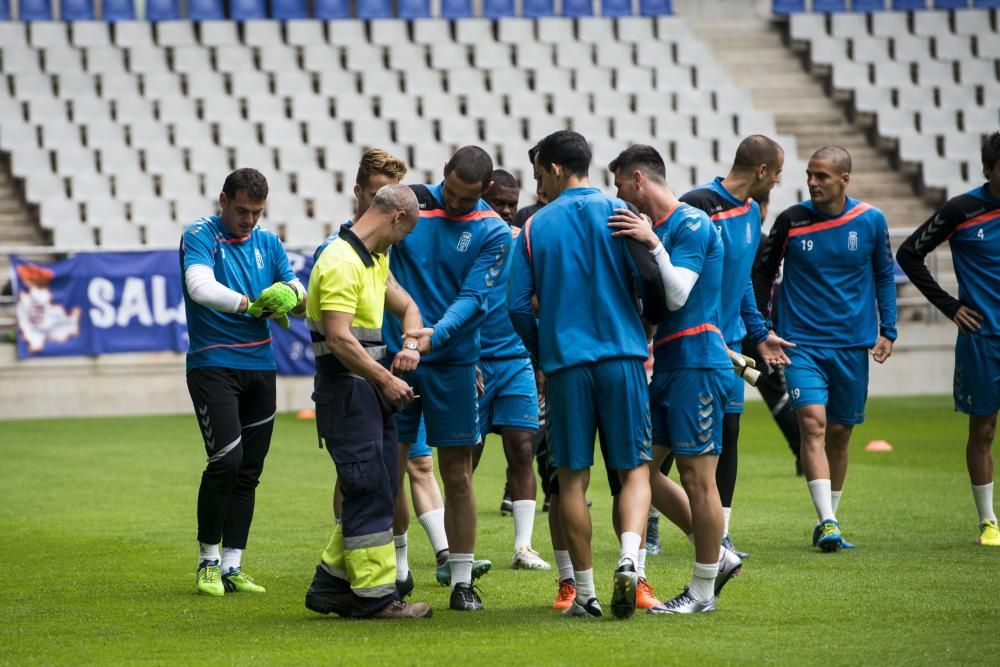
(355, 400)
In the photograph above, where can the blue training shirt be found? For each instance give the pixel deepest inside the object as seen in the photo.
(245, 265)
(970, 223)
(583, 277)
(498, 340)
(448, 265)
(739, 224)
(690, 337)
(838, 276)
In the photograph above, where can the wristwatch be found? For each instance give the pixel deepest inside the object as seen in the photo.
(411, 346)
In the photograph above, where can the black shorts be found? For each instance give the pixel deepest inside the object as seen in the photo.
(228, 401)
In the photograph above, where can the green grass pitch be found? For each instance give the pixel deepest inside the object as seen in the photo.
(98, 554)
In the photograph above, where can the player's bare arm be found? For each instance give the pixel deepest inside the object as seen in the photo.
(402, 306)
(347, 348)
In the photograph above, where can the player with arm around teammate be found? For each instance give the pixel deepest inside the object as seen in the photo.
(236, 276)
(970, 223)
(837, 303)
(692, 369)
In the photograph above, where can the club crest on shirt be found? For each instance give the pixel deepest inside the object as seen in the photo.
(463, 241)
(852, 240)
(260, 260)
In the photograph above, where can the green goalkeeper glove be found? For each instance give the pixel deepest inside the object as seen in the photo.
(277, 299)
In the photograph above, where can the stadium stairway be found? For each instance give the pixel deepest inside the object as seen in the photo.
(759, 58)
(17, 228)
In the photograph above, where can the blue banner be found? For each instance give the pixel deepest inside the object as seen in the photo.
(103, 303)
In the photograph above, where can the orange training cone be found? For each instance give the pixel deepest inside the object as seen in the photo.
(878, 446)
(306, 413)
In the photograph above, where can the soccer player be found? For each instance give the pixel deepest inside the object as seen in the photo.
(449, 264)
(729, 202)
(236, 276)
(510, 400)
(692, 370)
(356, 396)
(970, 223)
(838, 276)
(590, 344)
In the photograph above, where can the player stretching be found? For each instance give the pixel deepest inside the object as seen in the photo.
(449, 263)
(838, 275)
(510, 402)
(971, 225)
(729, 202)
(235, 276)
(590, 343)
(692, 371)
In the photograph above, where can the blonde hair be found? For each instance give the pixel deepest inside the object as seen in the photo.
(378, 161)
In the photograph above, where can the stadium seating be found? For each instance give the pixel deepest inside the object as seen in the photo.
(124, 135)
(927, 82)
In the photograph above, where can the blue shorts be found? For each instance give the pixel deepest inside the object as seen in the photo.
(511, 397)
(419, 447)
(447, 403)
(686, 406)
(836, 378)
(977, 374)
(609, 394)
(737, 389)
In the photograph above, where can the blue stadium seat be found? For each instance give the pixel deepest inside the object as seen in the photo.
(286, 10)
(788, 6)
(456, 9)
(413, 9)
(246, 10)
(868, 5)
(162, 10)
(908, 5)
(574, 8)
(497, 9)
(655, 7)
(374, 9)
(118, 10)
(205, 10)
(333, 9)
(539, 8)
(77, 10)
(829, 6)
(35, 10)
(986, 4)
(4, 10)
(951, 4)
(616, 7)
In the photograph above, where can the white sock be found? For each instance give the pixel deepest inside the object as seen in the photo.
(983, 496)
(835, 500)
(565, 564)
(726, 511)
(461, 568)
(208, 552)
(584, 585)
(630, 548)
(231, 559)
(524, 523)
(640, 566)
(402, 557)
(654, 513)
(433, 523)
(702, 586)
(819, 489)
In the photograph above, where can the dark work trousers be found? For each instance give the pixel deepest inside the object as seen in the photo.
(360, 433)
(235, 411)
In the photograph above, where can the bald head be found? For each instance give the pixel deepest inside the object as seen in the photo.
(837, 156)
(392, 198)
(757, 150)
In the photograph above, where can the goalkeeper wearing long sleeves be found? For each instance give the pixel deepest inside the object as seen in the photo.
(236, 276)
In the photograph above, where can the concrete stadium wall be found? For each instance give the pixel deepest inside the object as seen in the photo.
(140, 384)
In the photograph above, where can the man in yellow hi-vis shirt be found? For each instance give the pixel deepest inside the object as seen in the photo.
(356, 396)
